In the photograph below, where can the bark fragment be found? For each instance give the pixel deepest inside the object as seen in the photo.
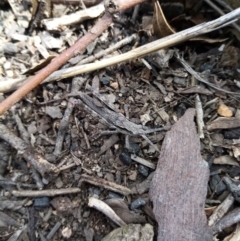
(179, 186)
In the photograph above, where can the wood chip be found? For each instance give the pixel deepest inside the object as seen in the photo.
(224, 111)
(224, 123)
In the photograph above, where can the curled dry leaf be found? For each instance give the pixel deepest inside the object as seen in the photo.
(161, 28)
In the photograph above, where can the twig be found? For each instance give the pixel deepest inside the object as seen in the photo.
(76, 2)
(36, 176)
(29, 154)
(7, 84)
(143, 161)
(48, 193)
(198, 77)
(104, 208)
(224, 4)
(221, 210)
(227, 221)
(104, 52)
(54, 230)
(76, 17)
(76, 84)
(215, 7)
(104, 183)
(22, 130)
(199, 115)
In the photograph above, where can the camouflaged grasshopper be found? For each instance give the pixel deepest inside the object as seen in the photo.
(108, 115)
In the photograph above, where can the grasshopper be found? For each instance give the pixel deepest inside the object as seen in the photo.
(108, 115)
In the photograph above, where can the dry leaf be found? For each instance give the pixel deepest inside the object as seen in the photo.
(161, 28)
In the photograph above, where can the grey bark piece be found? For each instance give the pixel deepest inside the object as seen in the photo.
(179, 186)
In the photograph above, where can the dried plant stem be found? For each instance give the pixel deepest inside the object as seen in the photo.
(199, 115)
(217, 9)
(77, 2)
(48, 193)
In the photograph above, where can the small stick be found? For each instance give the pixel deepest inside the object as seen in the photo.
(37, 178)
(227, 221)
(73, 18)
(104, 208)
(22, 130)
(76, 2)
(198, 77)
(143, 161)
(221, 210)
(104, 52)
(217, 9)
(47, 193)
(104, 183)
(54, 230)
(77, 82)
(199, 115)
(37, 161)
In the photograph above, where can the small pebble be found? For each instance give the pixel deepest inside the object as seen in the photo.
(143, 170)
(113, 195)
(114, 85)
(232, 133)
(206, 66)
(133, 175)
(125, 157)
(224, 111)
(134, 148)
(137, 203)
(105, 80)
(41, 202)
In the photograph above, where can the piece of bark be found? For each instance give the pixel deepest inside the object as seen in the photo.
(224, 123)
(179, 186)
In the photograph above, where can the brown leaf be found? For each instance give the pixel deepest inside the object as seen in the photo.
(161, 28)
